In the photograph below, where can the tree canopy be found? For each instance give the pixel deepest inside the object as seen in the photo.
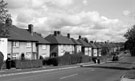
(130, 43)
(3, 11)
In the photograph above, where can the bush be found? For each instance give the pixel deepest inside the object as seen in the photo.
(67, 59)
(1, 59)
(24, 64)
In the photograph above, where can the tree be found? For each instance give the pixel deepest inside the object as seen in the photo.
(3, 17)
(130, 43)
(3, 11)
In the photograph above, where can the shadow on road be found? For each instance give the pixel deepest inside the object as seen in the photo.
(109, 67)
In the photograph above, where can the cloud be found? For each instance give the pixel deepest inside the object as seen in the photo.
(126, 12)
(50, 15)
(85, 2)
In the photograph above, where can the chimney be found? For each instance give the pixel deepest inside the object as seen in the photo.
(8, 21)
(56, 33)
(68, 35)
(91, 41)
(30, 28)
(80, 37)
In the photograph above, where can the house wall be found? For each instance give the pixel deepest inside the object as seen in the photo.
(99, 52)
(44, 51)
(3, 47)
(90, 51)
(94, 52)
(22, 48)
(86, 51)
(79, 48)
(65, 48)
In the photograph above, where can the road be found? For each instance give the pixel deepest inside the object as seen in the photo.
(103, 72)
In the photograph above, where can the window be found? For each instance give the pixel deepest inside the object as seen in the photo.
(28, 55)
(15, 44)
(28, 44)
(15, 56)
(44, 46)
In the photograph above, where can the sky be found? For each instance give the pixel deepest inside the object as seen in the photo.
(98, 20)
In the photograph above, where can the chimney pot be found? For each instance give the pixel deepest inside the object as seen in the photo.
(68, 35)
(80, 37)
(30, 28)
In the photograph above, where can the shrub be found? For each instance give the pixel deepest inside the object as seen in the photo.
(1, 59)
(23, 64)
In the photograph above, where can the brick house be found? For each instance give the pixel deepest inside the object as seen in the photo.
(59, 44)
(43, 46)
(86, 47)
(21, 41)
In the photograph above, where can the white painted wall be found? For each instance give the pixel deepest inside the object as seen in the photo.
(3, 47)
(86, 51)
(94, 52)
(22, 49)
(44, 51)
(79, 48)
(65, 48)
(90, 51)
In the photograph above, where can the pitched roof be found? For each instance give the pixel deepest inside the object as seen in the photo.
(59, 39)
(18, 34)
(85, 44)
(75, 41)
(97, 45)
(93, 45)
(40, 39)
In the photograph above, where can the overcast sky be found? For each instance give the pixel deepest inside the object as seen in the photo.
(95, 19)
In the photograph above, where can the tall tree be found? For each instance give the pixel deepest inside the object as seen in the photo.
(3, 11)
(130, 43)
(3, 17)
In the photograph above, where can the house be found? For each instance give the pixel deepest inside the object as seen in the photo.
(86, 47)
(43, 46)
(77, 46)
(3, 41)
(94, 49)
(99, 48)
(21, 42)
(59, 44)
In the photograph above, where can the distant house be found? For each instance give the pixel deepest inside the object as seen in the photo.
(77, 46)
(94, 50)
(43, 46)
(59, 44)
(86, 47)
(99, 48)
(21, 41)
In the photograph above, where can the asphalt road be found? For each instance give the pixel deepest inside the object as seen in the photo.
(104, 72)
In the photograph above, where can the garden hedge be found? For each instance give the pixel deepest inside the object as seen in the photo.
(1, 59)
(24, 64)
(67, 59)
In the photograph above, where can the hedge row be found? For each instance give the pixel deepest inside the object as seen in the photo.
(1, 59)
(67, 59)
(23, 64)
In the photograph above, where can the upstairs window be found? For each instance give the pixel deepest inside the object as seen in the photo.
(44, 47)
(28, 44)
(15, 44)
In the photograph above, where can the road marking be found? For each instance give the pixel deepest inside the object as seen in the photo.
(38, 71)
(68, 76)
